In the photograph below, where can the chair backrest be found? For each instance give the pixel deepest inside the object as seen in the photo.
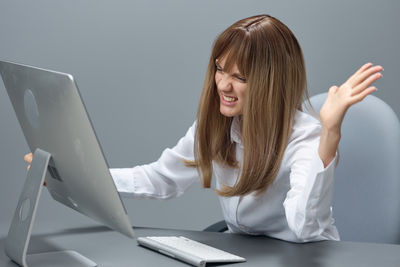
(366, 204)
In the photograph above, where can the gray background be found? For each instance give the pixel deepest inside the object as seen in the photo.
(140, 67)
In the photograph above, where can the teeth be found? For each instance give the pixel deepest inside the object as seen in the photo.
(229, 99)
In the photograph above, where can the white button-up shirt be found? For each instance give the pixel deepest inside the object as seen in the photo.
(296, 207)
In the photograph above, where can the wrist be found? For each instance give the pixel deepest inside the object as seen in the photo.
(332, 134)
(329, 141)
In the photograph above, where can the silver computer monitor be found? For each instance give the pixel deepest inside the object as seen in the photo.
(53, 118)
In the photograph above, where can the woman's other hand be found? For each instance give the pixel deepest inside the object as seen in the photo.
(339, 99)
(28, 158)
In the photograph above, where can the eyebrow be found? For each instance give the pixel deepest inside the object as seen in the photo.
(233, 74)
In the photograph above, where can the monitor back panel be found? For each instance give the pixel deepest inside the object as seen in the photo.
(53, 118)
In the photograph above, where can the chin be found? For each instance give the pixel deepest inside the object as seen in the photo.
(228, 114)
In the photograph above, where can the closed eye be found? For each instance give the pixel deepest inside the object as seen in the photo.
(240, 78)
(237, 76)
(218, 68)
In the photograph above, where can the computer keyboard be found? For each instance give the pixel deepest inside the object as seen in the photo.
(190, 251)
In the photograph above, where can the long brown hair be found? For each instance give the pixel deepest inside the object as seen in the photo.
(268, 55)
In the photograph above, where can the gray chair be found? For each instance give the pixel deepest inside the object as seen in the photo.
(366, 201)
(366, 204)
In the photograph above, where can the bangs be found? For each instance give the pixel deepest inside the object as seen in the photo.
(234, 47)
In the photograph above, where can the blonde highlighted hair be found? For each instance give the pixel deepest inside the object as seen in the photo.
(268, 55)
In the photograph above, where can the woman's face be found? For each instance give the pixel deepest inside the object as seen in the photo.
(232, 87)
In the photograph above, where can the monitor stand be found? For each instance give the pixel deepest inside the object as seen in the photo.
(21, 226)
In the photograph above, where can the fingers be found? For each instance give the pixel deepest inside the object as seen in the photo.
(28, 157)
(366, 74)
(366, 83)
(363, 68)
(363, 73)
(363, 94)
(360, 70)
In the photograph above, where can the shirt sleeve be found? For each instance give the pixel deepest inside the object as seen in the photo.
(167, 177)
(308, 201)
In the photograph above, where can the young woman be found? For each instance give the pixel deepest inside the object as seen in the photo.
(273, 163)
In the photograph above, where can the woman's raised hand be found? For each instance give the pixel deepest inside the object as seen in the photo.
(339, 99)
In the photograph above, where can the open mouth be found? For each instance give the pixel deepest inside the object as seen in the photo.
(229, 98)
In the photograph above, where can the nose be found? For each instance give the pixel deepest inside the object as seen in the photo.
(224, 83)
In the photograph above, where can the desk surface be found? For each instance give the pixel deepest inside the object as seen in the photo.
(108, 248)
